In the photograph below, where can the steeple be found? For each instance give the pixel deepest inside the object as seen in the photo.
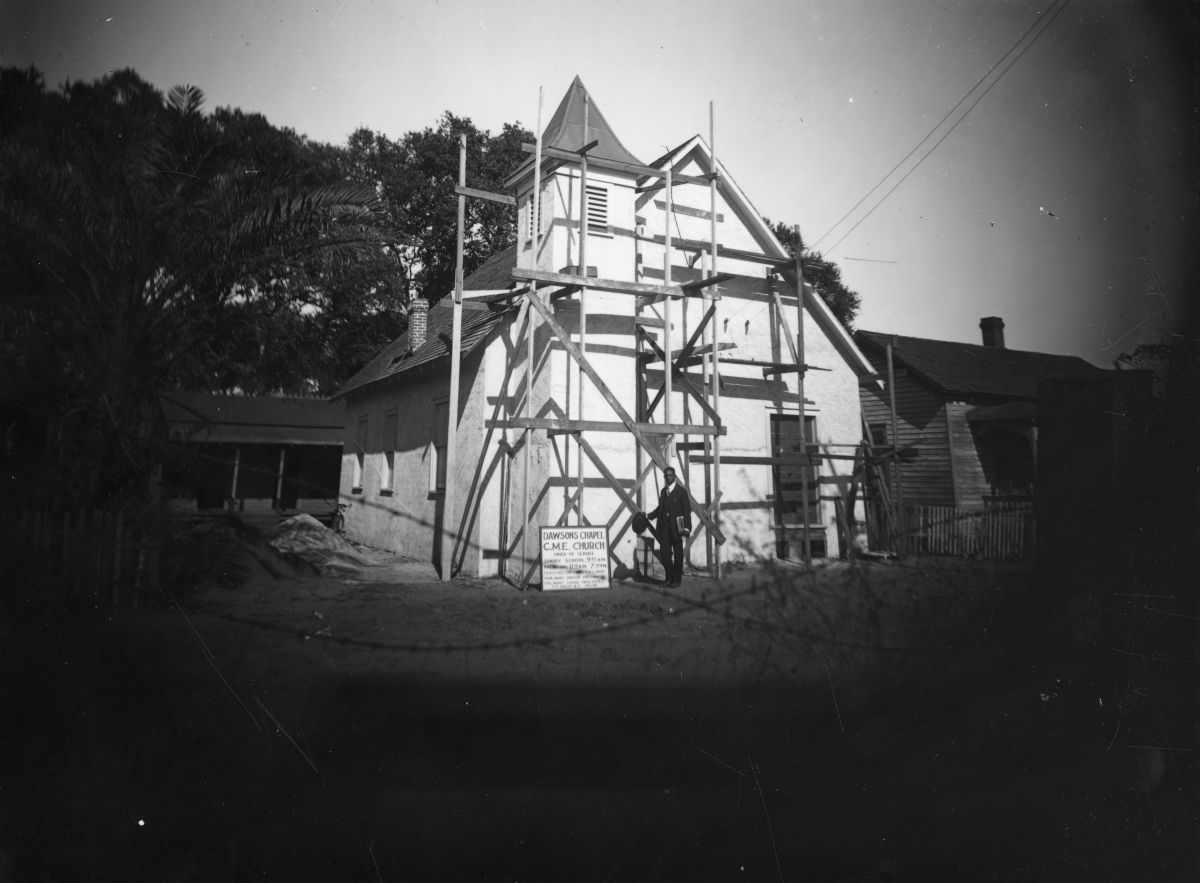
(565, 129)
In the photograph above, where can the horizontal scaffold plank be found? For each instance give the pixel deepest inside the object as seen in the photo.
(708, 281)
(785, 460)
(483, 194)
(617, 285)
(556, 425)
(614, 165)
(772, 367)
(704, 246)
(694, 358)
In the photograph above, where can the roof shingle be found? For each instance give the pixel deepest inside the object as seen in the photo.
(968, 369)
(495, 274)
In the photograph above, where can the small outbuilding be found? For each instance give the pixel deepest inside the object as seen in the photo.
(260, 456)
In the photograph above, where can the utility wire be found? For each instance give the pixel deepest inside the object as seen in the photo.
(909, 155)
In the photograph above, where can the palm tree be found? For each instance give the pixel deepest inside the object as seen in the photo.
(132, 234)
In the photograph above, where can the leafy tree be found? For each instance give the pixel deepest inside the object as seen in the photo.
(415, 177)
(1154, 356)
(824, 276)
(136, 236)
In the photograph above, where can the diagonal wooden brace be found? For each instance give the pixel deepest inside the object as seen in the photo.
(787, 331)
(712, 508)
(678, 374)
(601, 387)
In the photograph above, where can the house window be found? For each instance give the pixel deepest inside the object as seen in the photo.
(387, 479)
(437, 465)
(790, 478)
(360, 453)
(597, 209)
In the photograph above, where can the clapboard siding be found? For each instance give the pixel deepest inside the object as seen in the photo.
(921, 418)
(972, 484)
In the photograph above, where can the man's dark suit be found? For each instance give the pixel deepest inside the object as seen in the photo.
(672, 505)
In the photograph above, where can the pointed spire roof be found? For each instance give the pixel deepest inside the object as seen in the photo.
(565, 130)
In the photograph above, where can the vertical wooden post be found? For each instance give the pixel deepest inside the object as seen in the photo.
(899, 519)
(716, 320)
(448, 531)
(279, 474)
(670, 451)
(583, 238)
(710, 353)
(807, 467)
(237, 461)
(535, 205)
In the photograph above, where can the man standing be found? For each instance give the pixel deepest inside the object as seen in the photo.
(674, 514)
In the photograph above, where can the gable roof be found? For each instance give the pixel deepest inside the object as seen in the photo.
(698, 148)
(198, 416)
(478, 320)
(969, 369)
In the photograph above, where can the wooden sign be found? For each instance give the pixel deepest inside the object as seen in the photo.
(574, 558)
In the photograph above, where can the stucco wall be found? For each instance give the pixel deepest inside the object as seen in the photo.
(407, 521)
(491, 457)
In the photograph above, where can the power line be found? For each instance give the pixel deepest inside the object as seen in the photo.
(950, 113)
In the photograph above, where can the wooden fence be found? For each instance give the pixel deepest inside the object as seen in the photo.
(104, 558)
(1001, 531)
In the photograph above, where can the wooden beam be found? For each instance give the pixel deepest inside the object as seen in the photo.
(722, 251)
(642, 438)
(448, 500)
(782, 367)
(690, 212)
(648, 322)
(583, 151)
(613, 165)
(535, 202)
(483, 194)
(791, 341)
(556, 425)
(709, 282)
(621, 287)
(738, 459)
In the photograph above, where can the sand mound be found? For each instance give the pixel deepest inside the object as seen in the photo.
(311, 541)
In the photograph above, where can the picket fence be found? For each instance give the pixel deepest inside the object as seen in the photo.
(999, 531)
(105, 558)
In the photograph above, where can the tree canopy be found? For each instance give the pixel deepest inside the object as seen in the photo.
(824, 276)
(145, 246)
(151, 245)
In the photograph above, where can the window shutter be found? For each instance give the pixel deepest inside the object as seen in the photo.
(389, 431)
(597, 209)
(361, 436)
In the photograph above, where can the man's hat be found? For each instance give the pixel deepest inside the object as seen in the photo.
(640, 523)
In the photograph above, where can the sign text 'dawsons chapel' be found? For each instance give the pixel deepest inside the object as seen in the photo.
(574, 558)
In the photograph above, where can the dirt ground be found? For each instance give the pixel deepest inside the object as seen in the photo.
(955, 719)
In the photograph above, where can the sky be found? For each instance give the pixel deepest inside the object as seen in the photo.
(1063, 201)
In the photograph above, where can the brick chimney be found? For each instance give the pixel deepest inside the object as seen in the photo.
(993, 331)
(418, 323)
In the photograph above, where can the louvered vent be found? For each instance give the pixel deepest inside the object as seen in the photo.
(597, 209)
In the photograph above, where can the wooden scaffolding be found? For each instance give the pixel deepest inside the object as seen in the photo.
(653, 426)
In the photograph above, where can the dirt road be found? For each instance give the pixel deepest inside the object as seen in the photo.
(776, 726)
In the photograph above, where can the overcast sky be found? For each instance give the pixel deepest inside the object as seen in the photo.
(1061, 202)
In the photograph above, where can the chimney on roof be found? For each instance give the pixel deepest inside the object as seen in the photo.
(993, 331)
(418, 323)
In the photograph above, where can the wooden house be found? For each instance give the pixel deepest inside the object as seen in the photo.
(969, 409)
